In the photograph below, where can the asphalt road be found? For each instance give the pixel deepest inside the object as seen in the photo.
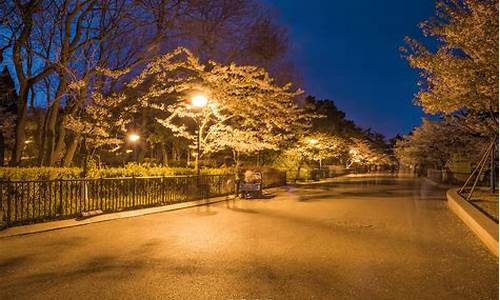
(357, 238)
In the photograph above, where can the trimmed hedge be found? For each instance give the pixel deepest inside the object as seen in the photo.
(137, 170)
(38, 173)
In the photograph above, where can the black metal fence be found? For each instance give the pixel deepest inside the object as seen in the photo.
(23, 202)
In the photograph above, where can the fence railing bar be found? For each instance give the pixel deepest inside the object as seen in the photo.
(40, 200)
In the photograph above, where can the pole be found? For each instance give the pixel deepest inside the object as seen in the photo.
(492, 168)
(198, 152)
(85, 157)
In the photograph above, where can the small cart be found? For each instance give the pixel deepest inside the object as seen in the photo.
(251, 189)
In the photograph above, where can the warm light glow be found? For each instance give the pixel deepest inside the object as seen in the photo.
(313, 141)
(199, 101)
(133, 137)
(28, 142)
(129, 151)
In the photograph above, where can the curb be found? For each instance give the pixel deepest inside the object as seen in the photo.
(482, 226)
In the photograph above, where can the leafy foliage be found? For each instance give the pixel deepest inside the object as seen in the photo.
(41, 173)
(130, 170)
(308, 149)
(462, 74)
(364, 153)
(246, 111)
(141, 170)
(435, 142)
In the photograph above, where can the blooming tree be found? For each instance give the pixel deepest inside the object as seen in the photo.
(462, 74)
(313, 147)
(246, 110)
(433, 144)
(101, 121)
(362, 152)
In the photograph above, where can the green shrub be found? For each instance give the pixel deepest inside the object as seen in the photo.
(289, 162)
(144, 170)
(130, 170)
(39, 173)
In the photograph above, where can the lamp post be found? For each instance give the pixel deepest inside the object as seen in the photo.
(314, 143)
(133, 139)
(198, 102)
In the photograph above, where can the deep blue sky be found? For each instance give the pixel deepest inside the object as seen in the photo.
(348, 51)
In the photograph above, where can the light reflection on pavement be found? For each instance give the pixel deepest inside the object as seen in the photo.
(362, 237)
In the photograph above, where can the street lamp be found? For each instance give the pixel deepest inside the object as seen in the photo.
(198, 102)
(133, 139)
(314, 142)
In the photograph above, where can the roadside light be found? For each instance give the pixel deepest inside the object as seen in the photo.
(133, 137)
(129, 151)
(199, 101)
(313, 141)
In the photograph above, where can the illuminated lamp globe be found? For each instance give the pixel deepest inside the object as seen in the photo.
(313, 141)
(199, 101)
(133, 137)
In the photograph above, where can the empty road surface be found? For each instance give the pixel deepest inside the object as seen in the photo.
(351, 238)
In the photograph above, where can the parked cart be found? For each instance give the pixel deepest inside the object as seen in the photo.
(251, 186)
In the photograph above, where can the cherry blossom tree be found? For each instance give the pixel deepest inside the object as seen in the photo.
(314, 147)
(363, 152)
(434, 142)
(461, 75)
(246, 111)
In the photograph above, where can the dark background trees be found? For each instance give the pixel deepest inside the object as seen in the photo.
(60, 51)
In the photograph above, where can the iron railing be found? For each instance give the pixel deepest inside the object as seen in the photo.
(23, 202)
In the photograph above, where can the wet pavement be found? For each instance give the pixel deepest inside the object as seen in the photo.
(364, 237)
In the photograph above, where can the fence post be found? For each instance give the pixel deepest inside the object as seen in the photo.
(221, 177)
(133, 191)
(162, 189)
(99, 193)
(9, 202)
(60, 209)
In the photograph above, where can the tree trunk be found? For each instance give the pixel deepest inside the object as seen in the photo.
(39, 134)
(50, 137)
(70, 152)
(20, 136)
(2, 149)
(164, 154)
(176, 153)
(59, 147)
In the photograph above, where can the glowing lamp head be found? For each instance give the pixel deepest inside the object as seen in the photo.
(129, 151)
(313, 141)
(133, 137)
(199, 101)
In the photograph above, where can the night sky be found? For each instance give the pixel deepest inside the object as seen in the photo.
(348, 51)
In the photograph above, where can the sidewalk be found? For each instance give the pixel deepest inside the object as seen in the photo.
(54, 225)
